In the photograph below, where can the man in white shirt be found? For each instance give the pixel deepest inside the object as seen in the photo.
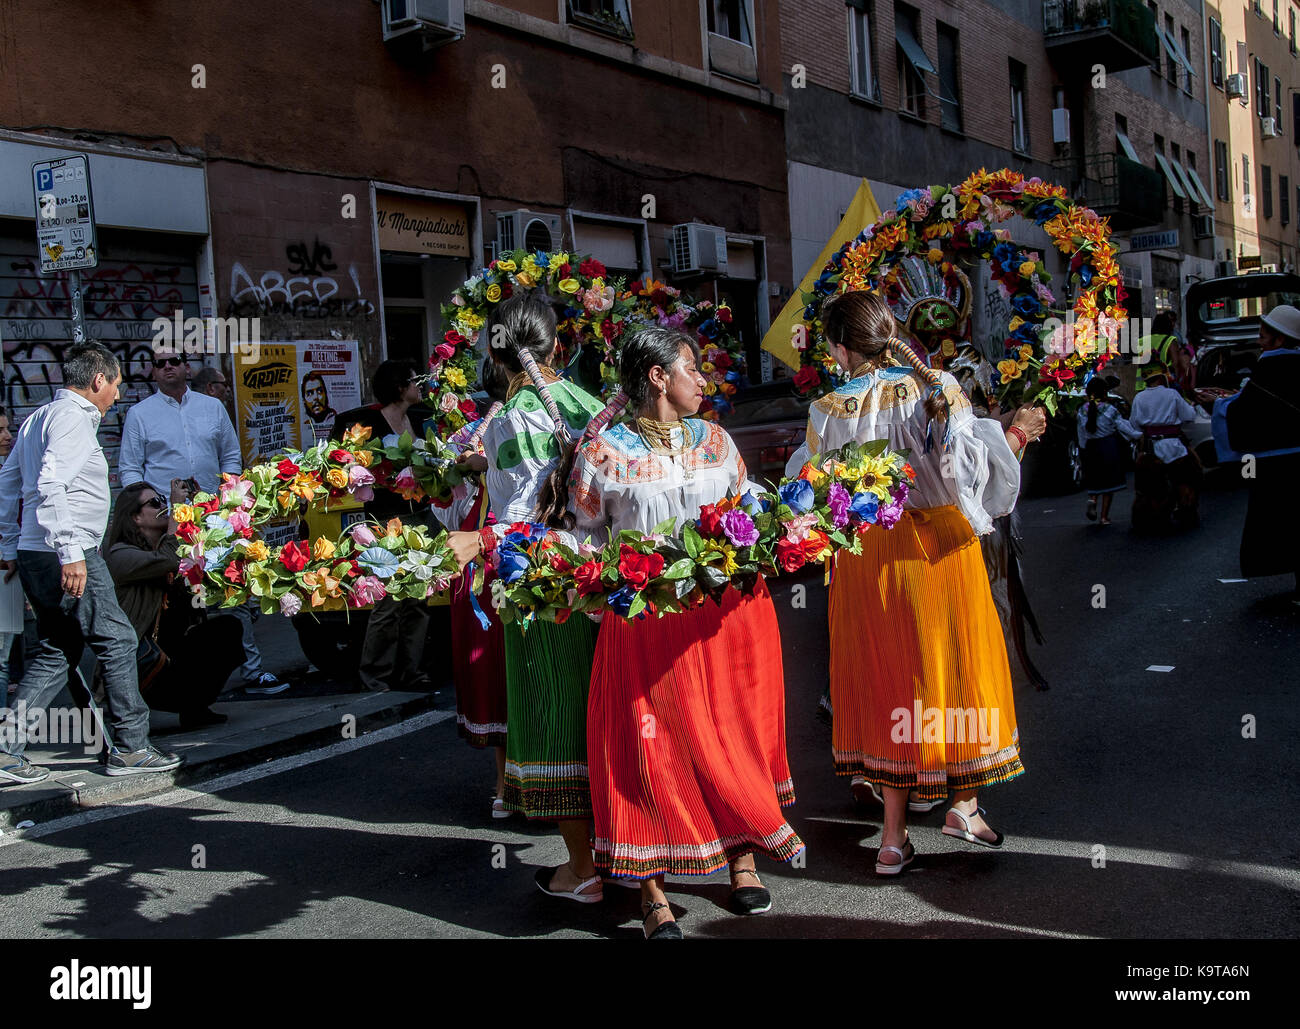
(179, 433)
(1168, 476)
(54, 502)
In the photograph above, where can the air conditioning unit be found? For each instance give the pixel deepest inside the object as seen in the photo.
(437, 22)
(1060, 125)
(1268, 128)
(699, 248)
(527, 230)
(1222, 269)
(1203, 226)
(1236, 86)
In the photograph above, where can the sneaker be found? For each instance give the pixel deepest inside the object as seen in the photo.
(266, 683)
(151, 759)
(16, 768)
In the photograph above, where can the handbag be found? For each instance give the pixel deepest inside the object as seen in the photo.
(150, 660)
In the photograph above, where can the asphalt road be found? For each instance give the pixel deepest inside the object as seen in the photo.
(390, 835)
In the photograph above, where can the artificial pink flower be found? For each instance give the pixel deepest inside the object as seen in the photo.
(367, 590)
(361, 534)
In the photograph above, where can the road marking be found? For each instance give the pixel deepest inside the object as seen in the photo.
(224, 782)
(1160, 668)
(1232, 580)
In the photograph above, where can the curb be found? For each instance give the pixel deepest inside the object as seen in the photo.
(106, 790)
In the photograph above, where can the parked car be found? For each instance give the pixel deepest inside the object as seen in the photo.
(1222, 321)
(768, 423)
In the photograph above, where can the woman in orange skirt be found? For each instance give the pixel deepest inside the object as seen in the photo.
(920, 685)
(686, 714)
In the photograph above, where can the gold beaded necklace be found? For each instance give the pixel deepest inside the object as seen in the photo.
(658, 436)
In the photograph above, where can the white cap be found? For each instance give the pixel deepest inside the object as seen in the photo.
(1284, 319)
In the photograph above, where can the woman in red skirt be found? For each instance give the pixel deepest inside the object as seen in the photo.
(686, 714)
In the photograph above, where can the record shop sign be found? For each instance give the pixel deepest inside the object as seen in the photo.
(418, 225)
(65, 220)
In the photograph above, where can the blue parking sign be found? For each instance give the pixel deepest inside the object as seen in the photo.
(44, 178)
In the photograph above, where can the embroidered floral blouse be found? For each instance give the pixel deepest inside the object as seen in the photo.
(621, 484)
(977, 472)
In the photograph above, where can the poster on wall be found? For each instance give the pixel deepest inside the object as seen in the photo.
(329, 381)
(266, 400)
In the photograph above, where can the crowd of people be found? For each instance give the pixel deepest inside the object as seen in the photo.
(657, 745)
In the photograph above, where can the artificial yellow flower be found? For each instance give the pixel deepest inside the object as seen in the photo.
(556, 262)
(876, 476)
(473, 322)
(526, 280)
(183, 513)
(356, 435)
(455, 377)
(1008, 369)
(507, 266)
(322, 549)
(337, 478)
(707, 367)
(365, 458)
(568, 285)
(256, 551)
(493, 293)
(1015, 323)
(394, 527)
(935, 255)
(304, 486)
(709, 389)
(1027, 269)
(325, 590)
(286, 499)
(812, 473)
(728, 565)
(1026, 352)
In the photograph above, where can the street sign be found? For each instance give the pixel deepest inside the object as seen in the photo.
(65, 219)
(1154, 241)
(1248, 262)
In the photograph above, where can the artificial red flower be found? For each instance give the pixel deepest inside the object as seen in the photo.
(790, 554)
(208, 506)
(724, 315)
(565, 269)
(607, 330)
(468, 408)
(286, 469)
(235, 572)
(722, 362)
(559, 564)
(1058, 375)
(587, 578)
(453, 337)
(910, 472)
(523, 528)
(710, 521)
(294, 556)
(341, 456)
(806, 378)
(815, 545)
(188, 531)
(638, 569)
(596, 270)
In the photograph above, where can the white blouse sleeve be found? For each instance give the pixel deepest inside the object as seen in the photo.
(985, 471)
(587, 500)
(804, 451)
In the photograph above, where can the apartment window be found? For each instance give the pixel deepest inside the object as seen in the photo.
(1284, 198)
(610, 16)
(1266, 190)
(1199, 191)
(861, 55)
(1123, 145)
(1262, 78)
(1221, 170)
(949, 81)
(1171, 176)
(1216, 53)
(1186, 54)
(1171, 59)
(1176, 163)
(912, 62)
(1277, 104)
(1019, 123)
(730, 18)
(1277, 21)
(1258, 10)
(1245, 176)
(1290, 17)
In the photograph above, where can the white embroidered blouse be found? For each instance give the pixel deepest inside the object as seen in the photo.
(977, 472)
(621, 484)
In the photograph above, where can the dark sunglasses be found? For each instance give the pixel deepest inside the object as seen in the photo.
(154, 502)
(158, 362)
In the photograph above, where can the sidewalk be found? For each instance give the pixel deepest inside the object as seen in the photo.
(313, 712)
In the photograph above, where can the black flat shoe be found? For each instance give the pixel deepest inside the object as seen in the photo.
(665, 930)
(749, 900)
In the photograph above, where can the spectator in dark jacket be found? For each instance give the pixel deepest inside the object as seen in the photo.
(202, 652)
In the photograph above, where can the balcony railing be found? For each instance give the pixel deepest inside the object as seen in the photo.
(1131, 195)
(1117, 33)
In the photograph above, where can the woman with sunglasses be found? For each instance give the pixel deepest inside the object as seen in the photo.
(202, 652)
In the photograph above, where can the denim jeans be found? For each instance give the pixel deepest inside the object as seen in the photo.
(251, 670)
(6, 648)
(66, 626)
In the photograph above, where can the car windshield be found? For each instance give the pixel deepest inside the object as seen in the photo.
(1220, 309)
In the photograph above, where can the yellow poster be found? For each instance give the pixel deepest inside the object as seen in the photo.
(266, 397)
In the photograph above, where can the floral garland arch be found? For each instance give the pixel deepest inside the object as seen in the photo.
(944, 224)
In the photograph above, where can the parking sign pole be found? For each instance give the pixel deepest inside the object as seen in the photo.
(78, 311)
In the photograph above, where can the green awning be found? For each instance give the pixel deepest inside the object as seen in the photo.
(912, 49)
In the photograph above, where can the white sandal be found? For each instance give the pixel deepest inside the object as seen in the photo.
(904, 858)
(545, 875)
(499, 809)
(915, 806)
(966, 834)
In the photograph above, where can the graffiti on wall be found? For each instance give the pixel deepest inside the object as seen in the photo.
(307, 288)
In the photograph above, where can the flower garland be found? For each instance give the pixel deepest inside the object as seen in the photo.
(917, 225)
(835, 497)
(594, 310)
(722, 359)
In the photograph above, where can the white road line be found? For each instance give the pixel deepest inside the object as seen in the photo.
(246, 775)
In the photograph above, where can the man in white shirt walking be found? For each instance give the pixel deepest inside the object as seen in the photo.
(54, 502)
(179, 433)
(1168, 477)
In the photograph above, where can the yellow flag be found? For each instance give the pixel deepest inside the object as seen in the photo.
(863, 211)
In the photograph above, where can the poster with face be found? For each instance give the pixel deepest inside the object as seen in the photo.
(329, 381)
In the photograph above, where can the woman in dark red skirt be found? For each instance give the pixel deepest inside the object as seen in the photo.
(686, 715)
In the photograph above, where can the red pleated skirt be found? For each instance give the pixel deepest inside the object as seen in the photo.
(686, 740)
(478, 656)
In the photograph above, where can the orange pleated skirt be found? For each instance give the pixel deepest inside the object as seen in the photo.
(920, 685)
(686, 740)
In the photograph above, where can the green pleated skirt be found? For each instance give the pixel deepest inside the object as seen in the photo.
(548, 674)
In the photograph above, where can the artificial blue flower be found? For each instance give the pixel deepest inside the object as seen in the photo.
(984, 239)
(218, 525)
(732, 376)
(379, 562)
(864, 507)
(906, 198)
(512, 562)
(809, 313)
(1004, 256)
(1085, 275)
(1027, 305)
(1045, 212)
(798, 496)
(620, 601)
(753, 503)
